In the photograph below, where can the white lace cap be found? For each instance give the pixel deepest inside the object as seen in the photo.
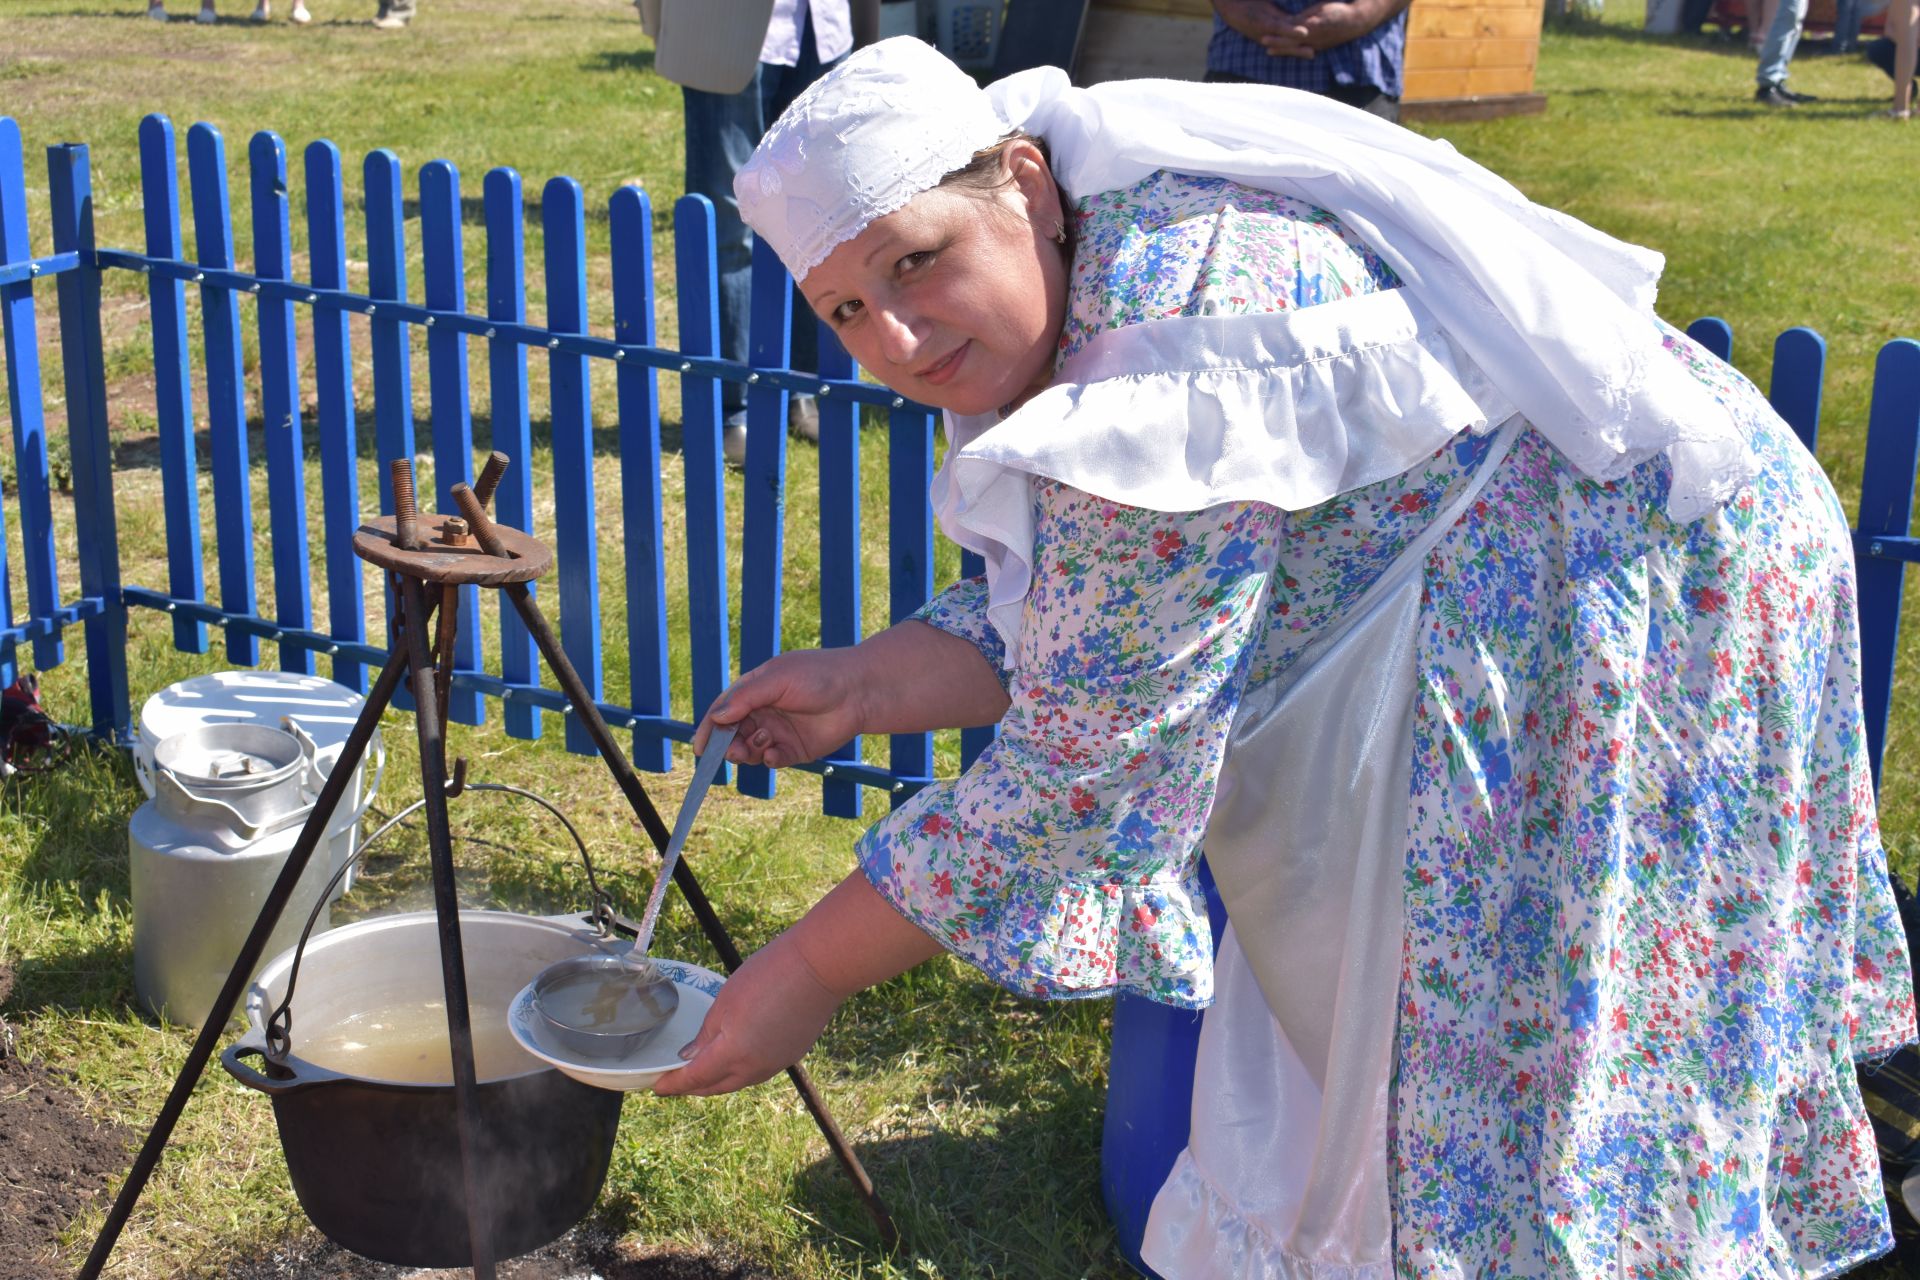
(870, 135)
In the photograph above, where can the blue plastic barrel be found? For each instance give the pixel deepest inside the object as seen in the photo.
(1149, 1100)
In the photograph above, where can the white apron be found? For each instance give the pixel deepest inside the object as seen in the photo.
(1285, 1172)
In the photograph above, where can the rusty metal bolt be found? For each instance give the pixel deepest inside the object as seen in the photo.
(482, 526)
(406, 514)
(453, 532)
(490, 476)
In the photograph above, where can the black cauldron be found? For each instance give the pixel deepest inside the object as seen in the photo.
(376, 1162)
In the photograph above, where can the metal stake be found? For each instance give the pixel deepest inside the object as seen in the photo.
(446, 903)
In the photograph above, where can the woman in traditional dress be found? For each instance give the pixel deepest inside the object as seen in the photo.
(1352, 520)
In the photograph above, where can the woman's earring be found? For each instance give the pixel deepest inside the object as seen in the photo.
(1060, 233)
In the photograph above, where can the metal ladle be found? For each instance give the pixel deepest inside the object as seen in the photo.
(650, 997)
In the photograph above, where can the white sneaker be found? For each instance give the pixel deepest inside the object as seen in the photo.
(206, 17)
(158, 12)
(299, 16)
(390, 22)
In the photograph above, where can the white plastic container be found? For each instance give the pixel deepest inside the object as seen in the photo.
(324, 710)
(968, 31)
(204, 853)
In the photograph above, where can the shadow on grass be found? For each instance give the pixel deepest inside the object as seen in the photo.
(974, 1205)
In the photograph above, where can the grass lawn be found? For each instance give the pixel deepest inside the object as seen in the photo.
(979, 1114)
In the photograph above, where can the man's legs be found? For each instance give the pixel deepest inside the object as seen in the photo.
(722, 131)
(1782, 38)
(779, 86)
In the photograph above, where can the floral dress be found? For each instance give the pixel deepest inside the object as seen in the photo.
(1648, 929)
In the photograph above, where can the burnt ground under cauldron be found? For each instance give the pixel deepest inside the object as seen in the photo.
(584, 1252)
(55, 1161)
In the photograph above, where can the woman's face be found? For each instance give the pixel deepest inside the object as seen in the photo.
(956, 299)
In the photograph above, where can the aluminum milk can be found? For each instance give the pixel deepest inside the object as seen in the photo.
(229, 802)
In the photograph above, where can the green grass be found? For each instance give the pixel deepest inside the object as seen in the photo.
(979, 1114)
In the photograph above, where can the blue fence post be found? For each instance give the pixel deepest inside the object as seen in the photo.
(563, 220)
(839, 548)
(1886, 512)
(763, 520)
(699, 283)
(446, 290)
(333, 385)
(1714, 334)
(392, 357)
(1799, 368)
(509, 424)
(96, 533)
(280, 397)
(172, 386)
(910, 558)
(226, 387)
(28, 413)
(630, 223)
(974, 741)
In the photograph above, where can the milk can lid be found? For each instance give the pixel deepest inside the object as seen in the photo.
(324, 709)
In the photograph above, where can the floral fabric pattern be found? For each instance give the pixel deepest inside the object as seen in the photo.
(1648, 926)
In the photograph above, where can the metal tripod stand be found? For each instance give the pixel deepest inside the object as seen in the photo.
(427, 574)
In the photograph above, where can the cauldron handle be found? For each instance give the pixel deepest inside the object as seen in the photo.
(231, 1056)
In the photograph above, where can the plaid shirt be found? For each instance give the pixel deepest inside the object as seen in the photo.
(1372, 59)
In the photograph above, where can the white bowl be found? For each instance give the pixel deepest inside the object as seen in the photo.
(647, 1063)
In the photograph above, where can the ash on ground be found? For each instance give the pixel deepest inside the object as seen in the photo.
(585, 1253)
(55, 1161)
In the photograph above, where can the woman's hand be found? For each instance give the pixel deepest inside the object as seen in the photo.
(767, 1015)
(790, 709)
(775, 1005)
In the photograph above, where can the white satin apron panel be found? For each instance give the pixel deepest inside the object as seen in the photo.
(1285, 1172)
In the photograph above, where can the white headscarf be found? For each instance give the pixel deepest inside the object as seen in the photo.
(1554, 314)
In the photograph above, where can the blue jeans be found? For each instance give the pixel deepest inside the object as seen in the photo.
(722, 131)
(1847, 17)
(1783, 37)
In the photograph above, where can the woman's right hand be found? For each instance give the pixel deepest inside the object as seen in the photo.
(790, 709)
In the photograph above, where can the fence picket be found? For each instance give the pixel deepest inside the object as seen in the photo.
(564, 223)
(392, 355)
(1715, 334)
(338, 431)
(172, 386)
(95, 521)
(763, 519)
(910, 561)
(1799, 367)
(280, 398)
(1886, 512)
(226, 388)
(446, 290)
(509, 425)
(974, 741)
(698, 277)
(28, 412)
(839, 548)
(643, 517)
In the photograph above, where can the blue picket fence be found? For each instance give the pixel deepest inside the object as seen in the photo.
(76, 264)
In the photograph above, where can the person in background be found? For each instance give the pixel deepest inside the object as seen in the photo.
(801, 39)
(1776, 51)
(1903, 30)
(1348, 50)
(157, 10)
(394, 15)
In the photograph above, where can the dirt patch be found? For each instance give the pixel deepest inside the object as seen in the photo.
(55, 1162)
(585, 1253)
